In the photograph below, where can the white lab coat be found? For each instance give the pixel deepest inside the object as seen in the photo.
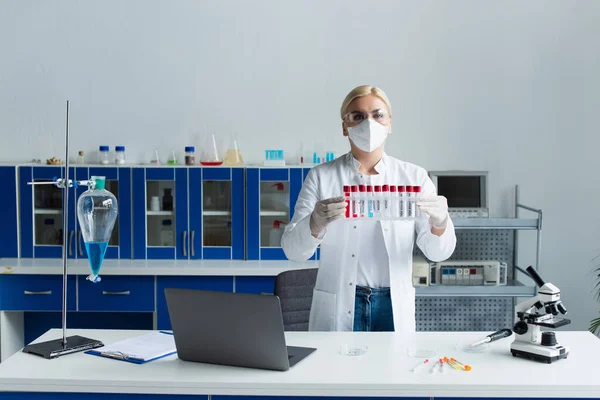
(333, 296)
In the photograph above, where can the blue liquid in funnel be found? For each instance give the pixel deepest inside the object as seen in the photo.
(95, 252)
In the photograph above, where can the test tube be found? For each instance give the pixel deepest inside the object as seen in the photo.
(354, 201)
(417, 194)
(346, 189)
(377, 202)
(362, 200)
(370, 201)
(393, 202)
(402, 201)
(410, 202)
(385, 207)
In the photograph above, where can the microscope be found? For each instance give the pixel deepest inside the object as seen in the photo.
(532, 314)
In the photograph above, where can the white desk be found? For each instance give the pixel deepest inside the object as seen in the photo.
(383, 371)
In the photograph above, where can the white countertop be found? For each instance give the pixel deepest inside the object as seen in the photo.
(382, 371)
(46, 266)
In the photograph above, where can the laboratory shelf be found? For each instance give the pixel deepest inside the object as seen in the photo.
(512, 289)
(48, 211)
(216, 213)
(268, 213)
(160, 213)
(496, 223)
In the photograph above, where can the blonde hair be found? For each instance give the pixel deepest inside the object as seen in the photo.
(361, 91)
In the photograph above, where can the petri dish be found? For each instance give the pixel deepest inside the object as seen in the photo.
(482, 348)
(353, 350)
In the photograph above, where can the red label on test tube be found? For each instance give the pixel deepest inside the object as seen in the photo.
(402, 189)
(417, 189)
(386, 188)
(347, 199)
(409, 189)
(362, 188)
(393, 189)
(377, 188)
(369, 189)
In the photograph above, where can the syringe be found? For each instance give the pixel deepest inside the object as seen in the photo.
(502, 333)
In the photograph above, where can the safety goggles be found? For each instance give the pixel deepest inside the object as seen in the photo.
(356, 117)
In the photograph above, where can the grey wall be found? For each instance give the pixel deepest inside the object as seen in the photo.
(505, 86)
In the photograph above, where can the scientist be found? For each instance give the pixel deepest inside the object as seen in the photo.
(365, 274)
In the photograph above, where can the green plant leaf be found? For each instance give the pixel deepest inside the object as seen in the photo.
(595, 326)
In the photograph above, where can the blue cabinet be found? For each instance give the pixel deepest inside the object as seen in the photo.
(255, 284)
(214, 283)
(271, 195)
(8, 214)
(118, 182)
(117, 293)
(160, 213)
(216, 213)
(35, 293)
(41, 211)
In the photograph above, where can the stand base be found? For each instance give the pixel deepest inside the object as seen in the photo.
(55, 348)
(535, 352)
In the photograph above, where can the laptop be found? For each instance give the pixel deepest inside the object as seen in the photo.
(244, 330)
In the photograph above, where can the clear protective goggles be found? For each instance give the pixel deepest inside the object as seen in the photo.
(356, 117)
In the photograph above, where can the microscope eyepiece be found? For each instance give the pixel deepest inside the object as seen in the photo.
(561, 308)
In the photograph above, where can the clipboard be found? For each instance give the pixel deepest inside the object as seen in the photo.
(140, 349)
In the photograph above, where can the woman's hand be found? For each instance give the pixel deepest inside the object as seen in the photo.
(437, 209)
(325, 212)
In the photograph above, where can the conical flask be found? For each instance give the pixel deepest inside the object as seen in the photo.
(233, 155)
(210, 152)
(97, 211)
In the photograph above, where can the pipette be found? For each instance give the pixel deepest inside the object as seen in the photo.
(502, 333)
(442, 370)
(433, 368)
(451, 363)
(419, 365)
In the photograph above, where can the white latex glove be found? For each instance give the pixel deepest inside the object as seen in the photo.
(325, 212)
(437, 209)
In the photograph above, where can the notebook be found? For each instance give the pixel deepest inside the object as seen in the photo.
(139, 349)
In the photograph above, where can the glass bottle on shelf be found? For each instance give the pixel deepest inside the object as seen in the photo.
(167, 200)
(166, 233)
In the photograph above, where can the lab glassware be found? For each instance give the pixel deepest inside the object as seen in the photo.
(80, 158)
(173, 159)
(233, 155)
(156, 159)
(210, 153)
(103, 155)
(362, 200)
(167, 200)
(166, 233)
(410, 202)
(385, 206)
(354, 201)
(417, 195)
(119, 155)
(394, 202)
(346, 189)
(97, 211)
(190, 158)
(370, 201)
(402, 201)
(377, 202)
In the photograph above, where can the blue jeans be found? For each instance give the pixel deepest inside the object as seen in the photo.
(373, 310)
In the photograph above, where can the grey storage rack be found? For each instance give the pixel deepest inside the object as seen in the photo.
(481, 308)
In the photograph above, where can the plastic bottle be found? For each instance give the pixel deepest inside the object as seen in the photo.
(410, 202)
(119, 155)
(402, 201)
(103, 155)
(385, 207)
(190, 158)
(370, 201)
(362, 200)
(417, 195)
(354, 201)
(346, 189)
(377, 202)
(393, 202)
(276, 233)
(49, 234)
(166, 233)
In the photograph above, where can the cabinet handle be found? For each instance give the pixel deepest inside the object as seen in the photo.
(29, 293)
(192, 246)
(71, 243)
(125, 293)
(79, 243)
(185, 243)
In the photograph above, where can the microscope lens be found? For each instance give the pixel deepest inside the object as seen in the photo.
(561, 308)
